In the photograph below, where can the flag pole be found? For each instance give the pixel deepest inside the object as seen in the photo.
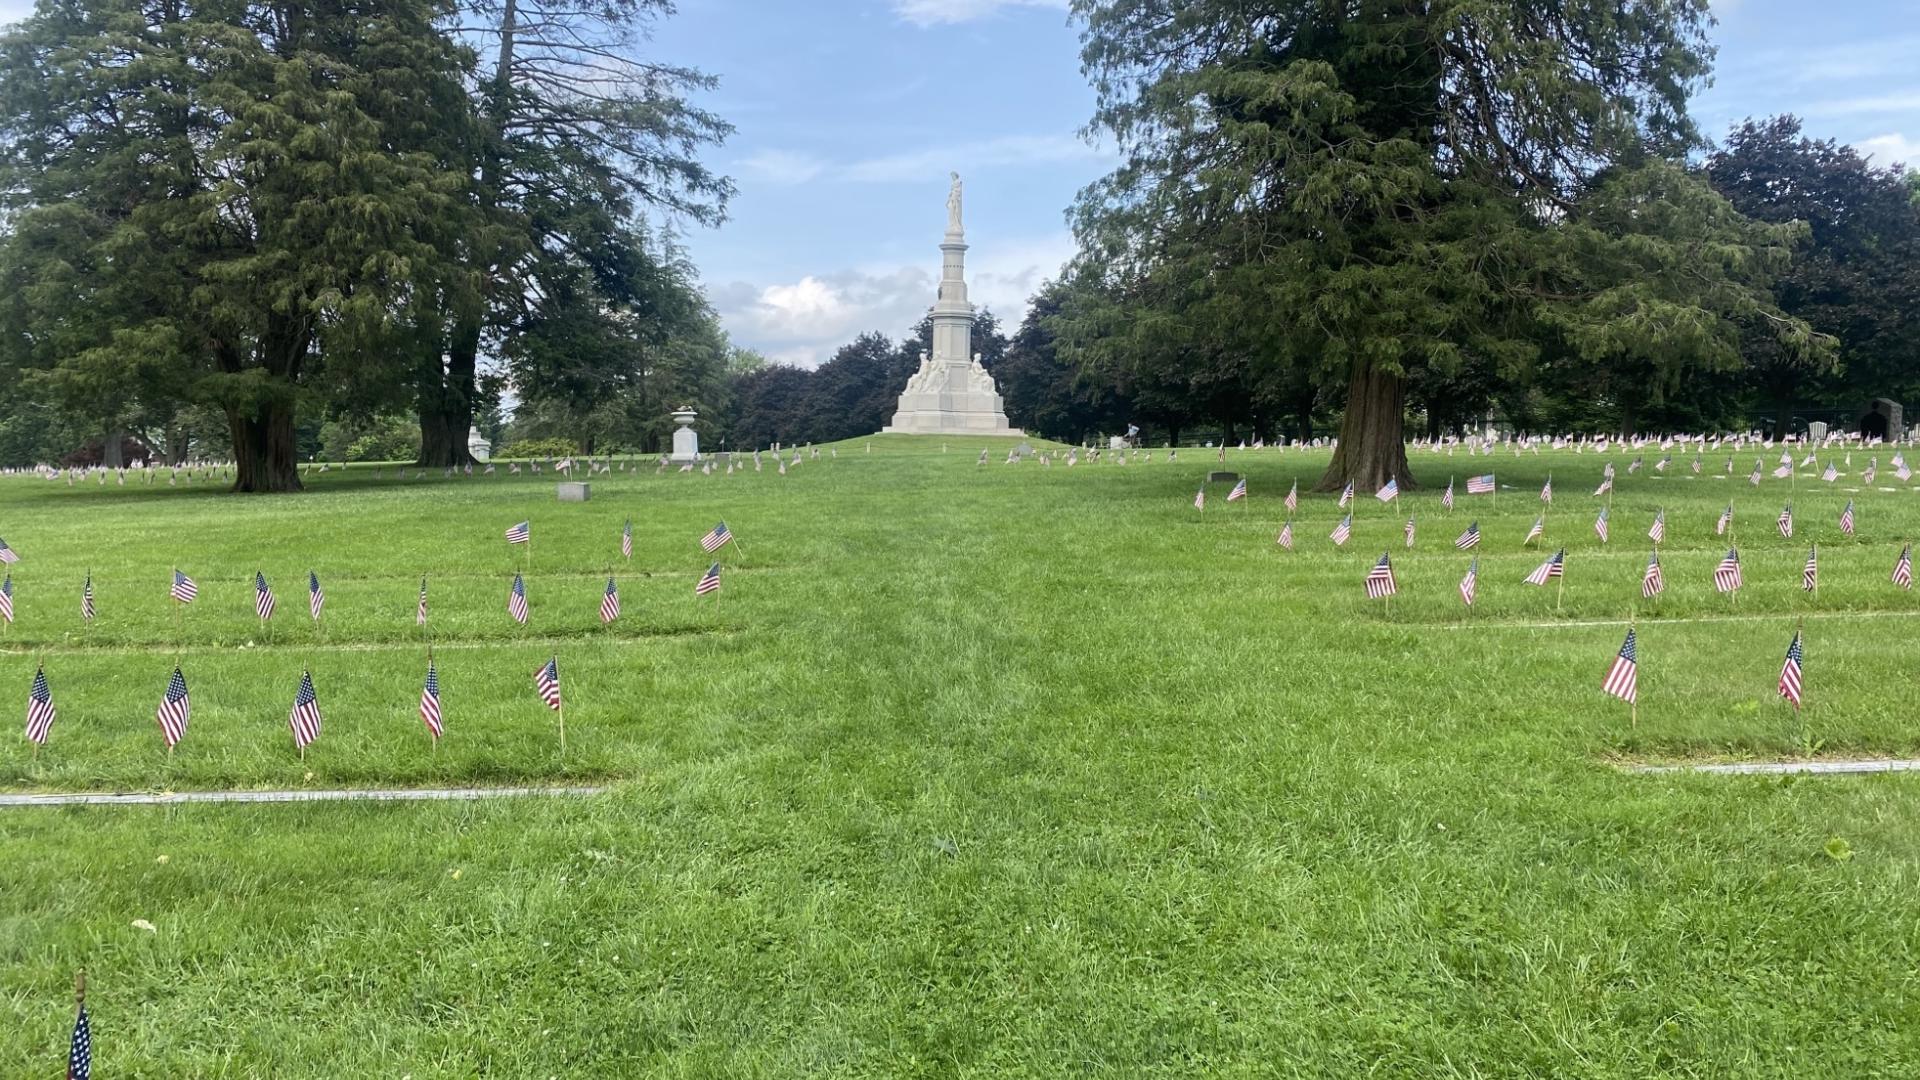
(563, 724)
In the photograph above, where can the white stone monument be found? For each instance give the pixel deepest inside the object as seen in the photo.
(686, 441)
(951, 394)
(478, 446)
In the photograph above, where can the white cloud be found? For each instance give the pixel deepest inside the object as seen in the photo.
(783, 166)
(802, 322)
(948, 12)
(1890, 149)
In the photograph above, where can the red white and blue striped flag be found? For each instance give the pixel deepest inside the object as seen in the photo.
(1546, 490)
(709, 581)
(1285, 539)
(1292, 501)
(1380, 578)
(626, 540)
(1552, 568)
(304, 718)
(183, 590)
(175, 709)
(1810, 573)
(1470, 585)
(1346, 496)
(263, 602)
(1342, 531)
(1388, 491)
(86, 600)
(1446, 497)
(1468, 539)
(716, 538)
(517, 601)
(1658, 532)
(420, 607)
(1903, 569)
(1652, 582)
(1785, 521)
(609, 603)
(1600, 525)
(39, 708)
(1539, 528)
(1846, 519)
(1790, 672)
(430, 700)
(6, 598)
(1409, 532)
(316, 598)
(1726, 520)
(7, 554)
(1200, 498)
(1726, 576)
(1239, 490)
(521, 533)
(1480, 485)
(546, 679)
(80, 1047)
(1623, 678)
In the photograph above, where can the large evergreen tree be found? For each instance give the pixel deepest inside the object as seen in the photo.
(1360, 189)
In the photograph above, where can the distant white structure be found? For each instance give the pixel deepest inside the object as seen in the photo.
(951, 394)
(478, 446)
(686, 441)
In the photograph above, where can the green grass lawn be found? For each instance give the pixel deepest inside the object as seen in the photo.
(970, 771)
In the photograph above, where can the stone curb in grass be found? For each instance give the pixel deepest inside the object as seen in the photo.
(1774, 768)
(127, 798)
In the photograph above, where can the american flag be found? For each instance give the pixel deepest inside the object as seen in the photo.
(1285, 539)
(316, 599)
(1754, 476)
(1470, 585)
(80, 1048)
(1292, 501)
(1652, 583)
(183, 590)
(1468, 539)
(716, 538)
(1552, 568)
(521, 533)
(1605, 486)
(1810, 573)
(39, 708)
(1380, 578)
(175, 709)
(1831, 474)
(1539, 527)
(1600, 525)
(1623, 678)
(1239, 490)
(304, 719)
(1726, 519)
(430, 700)
(1480, 485)
(546, 679)
(517, 601)
(1873, 469)
(1903, 570)
(1606, 473)
(709, 581)
(1659, 530)
(1696, 464)
(783, 467)
(1409, 532)
(1446, 497)
(1782, 472)
(7, 554)
(1346, 496)
(1726, 576)
(1342, 531)
(610, 603)
(1661, 465)
(1634, 466)
(420, 608)
(1546, 490)
(1388, 491)
(1200, 498)
(1790, 672)
(1785, 522)
(1846, 519)
(626, 541)
(262, 596)
(86, 600)
(6, 598)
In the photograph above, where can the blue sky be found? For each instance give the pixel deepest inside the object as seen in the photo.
(851, 112)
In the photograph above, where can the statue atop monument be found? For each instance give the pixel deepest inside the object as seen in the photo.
(951, 393)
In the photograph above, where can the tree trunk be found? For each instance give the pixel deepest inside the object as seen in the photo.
(263, 452)
(1783, 417)
(110, 455)
(1629, 417)
(446, 409)
(1372, 446)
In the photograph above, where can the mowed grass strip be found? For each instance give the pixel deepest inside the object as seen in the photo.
(999, 770)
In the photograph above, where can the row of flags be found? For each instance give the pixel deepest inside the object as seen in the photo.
(1622, 679)
(303, 719)
(1728, 576)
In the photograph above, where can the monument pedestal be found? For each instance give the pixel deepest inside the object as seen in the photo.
(686, 441)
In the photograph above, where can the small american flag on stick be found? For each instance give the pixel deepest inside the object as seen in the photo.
(517, 601)
(1552, 568)
(1846, 519)
(609, 603)
(7, 554)
(1285, 539)
(1790, 671)
(546, 679)
(430, 701)
(1539, 527)
(709, 581)
(86, 600)
(716, 538)
(1810, 573)
(1380, 578)
(420, 608)
(263, 601)
(1785, 522)
(316, 598)
(521, 533)
(304, 718)
(39, 708)
(1389, 491)
(1480, 485)
(175, 709)
(1446, 497)
(1658, 532)
(1342, 532)
(1469, 539)
(626, 541)
(1292, 501)
(1623, 678)
(1600, 525)
(1470, 585)
(1903, 569)
(1652, 583)
(1346, 496)
(1726, 576)
(6, 598)
(183, 590)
